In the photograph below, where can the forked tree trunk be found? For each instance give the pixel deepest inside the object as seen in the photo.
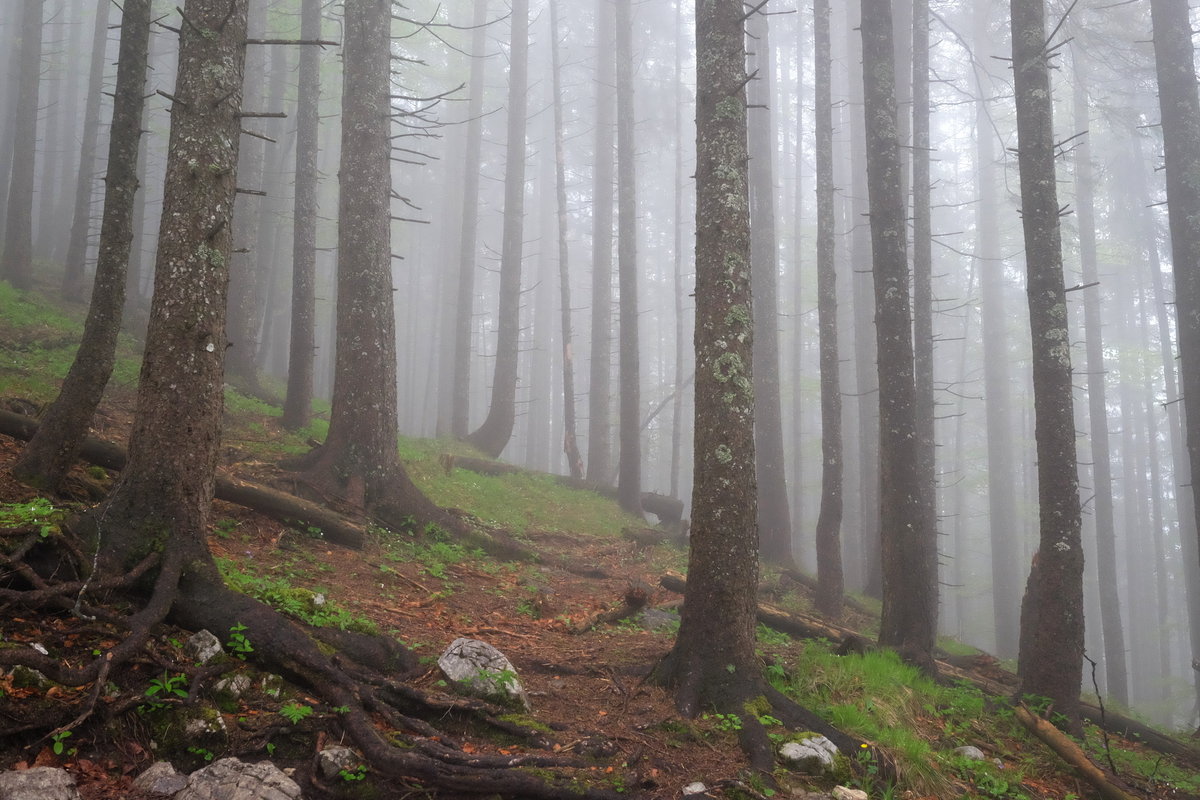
(829, 519)
(51, 453)
(493, 435)
(629, 474)
(909, 546)
(16, 263)
(297, 407)
(1050, 661)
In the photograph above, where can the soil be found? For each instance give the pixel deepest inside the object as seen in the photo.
(587, 688)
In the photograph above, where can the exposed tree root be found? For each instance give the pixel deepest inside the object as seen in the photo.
(359, 676)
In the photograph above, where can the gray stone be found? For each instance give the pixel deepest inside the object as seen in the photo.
(655, 619)
(815, 755)
(482, 670)
(846, 793)
(203, 646)
(970, 751)
(332, 760)
(694, 789)
(39, 783)
(29, 678)
(205, 725)
(231, 779)
(161, 778)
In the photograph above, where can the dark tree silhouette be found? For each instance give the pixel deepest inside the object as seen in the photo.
(16, 262)
(1050, 661)
(297, 407)
(52, 451)
(829, 518)
(909, 545)
(492, 436)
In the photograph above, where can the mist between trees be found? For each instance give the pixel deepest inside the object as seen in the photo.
(975, 330)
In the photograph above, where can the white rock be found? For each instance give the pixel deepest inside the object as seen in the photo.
(41, 648)
(38, 783)
(231, 779)
(815, 755)
(694, 788)
(236, 685)
(969, 751)
(205, 726)
(160, 778)
(203, 646)
(482, 670)
(846, 793)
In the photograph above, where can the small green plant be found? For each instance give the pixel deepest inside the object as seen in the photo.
(238, 642)
(270, 748)
(729, 723)
(225, 527)
(59, 740)
(295, 712)
(203, 752)
(37, 513)
(528, 608)
(356, 774)
(166, 686)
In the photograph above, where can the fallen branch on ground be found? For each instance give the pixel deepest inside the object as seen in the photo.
(1071, 753)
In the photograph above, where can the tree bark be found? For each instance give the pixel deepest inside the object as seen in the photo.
(73, 269)
(909, 547)
(493, 435)
(1050, 661)
(297, 408)
(46, 459)
(16, 263)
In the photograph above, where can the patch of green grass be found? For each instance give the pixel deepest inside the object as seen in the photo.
(307, 605)
(1149, 766)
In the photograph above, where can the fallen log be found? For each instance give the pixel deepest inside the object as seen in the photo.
(667, 509)
(1132, 729)
(799, 625)
(286, 508)
(1071, 753)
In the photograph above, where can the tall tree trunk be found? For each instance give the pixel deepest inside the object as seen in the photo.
(168, 482)
(909, 547)
(570, 443)
(599, 458)
(1106, 534)
(53, 449)
(492, 436)
(297, 407)
(774, 521)
(73, 270)
(1050, 661)
(629, 474)
(467, 245)
(829, 546)
(677, 249)
(16, 263)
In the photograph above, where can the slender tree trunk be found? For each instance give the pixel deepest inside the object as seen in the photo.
(909, 547)
(599, 456)
(53, 449)
(629, 475)
(297, 407)
(829, 546)
(468, 247)
(73, 271)
(1050, 661)
(774, 521)
(570, 444)
(16, 263)
(493, 435)
(679, 290)
(1106, 535)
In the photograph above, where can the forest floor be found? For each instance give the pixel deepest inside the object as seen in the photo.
(587, 689)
